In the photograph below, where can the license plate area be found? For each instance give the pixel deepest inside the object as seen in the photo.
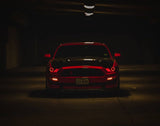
(82, 81)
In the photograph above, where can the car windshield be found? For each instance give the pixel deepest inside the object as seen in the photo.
(82, 51)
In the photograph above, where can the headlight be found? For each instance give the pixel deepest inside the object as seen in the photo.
(51, 69)
(112, 69)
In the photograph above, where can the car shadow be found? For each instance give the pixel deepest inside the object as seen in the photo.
(79, 94)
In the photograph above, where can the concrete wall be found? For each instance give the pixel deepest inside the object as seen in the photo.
(3, 40)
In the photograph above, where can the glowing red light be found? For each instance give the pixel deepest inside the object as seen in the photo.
(112, 70)
(117, 54)
(47, 55)
(108, 70)
(56, 70)
(74, 67)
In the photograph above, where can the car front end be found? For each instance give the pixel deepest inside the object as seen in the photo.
(82, 73)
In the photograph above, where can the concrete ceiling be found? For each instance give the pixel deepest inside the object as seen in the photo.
(110, 7)
(20, 11)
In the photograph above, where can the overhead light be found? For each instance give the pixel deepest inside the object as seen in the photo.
(88, 14)
(89, 42)
(89, 7)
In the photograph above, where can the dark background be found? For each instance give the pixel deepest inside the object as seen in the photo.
(31, 28)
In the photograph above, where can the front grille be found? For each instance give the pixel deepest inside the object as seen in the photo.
(82, 72)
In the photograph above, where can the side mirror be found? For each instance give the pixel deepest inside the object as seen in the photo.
(117, 54)
(48, 55)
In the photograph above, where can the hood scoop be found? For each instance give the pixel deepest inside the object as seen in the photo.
(84, 59)
(79, 61)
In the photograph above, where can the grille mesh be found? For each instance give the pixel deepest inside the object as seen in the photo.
(82, 72)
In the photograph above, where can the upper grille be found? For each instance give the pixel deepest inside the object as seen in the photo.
(82, 72)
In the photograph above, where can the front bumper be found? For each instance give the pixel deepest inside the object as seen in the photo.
(94, 83)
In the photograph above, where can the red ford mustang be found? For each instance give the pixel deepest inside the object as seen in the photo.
(82, 65)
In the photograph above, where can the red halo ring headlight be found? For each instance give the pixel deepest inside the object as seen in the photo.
(113, 69)
(51, 69)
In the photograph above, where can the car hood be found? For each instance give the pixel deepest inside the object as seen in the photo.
(79, 61)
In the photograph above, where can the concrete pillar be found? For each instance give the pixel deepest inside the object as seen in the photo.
(3, 40)
(12, 48)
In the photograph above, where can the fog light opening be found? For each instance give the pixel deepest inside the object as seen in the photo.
(54, 79)
(110, 78)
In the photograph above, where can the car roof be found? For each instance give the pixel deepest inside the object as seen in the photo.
(82, 43)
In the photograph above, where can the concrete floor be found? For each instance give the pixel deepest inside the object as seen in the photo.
(24, 101)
